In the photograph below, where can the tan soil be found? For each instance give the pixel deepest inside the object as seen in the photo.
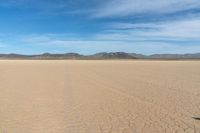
(99, 96)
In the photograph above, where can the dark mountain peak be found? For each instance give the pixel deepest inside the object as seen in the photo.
(46, 54)
(113, 55)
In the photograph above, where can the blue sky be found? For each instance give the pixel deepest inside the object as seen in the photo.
(90, 26)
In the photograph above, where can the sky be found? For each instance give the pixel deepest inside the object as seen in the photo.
(92, 26)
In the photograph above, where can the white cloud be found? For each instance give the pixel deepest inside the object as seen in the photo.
(170, 30)
(179, 29)
(132, 7)
(146, 38)
(108, 43)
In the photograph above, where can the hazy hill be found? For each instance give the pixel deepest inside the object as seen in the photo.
(175, 56)
(103, 55)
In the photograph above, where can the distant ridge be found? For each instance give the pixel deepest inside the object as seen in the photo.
(101, 56)
(112, 55)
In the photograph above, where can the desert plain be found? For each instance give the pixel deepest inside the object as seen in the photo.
(113, 96)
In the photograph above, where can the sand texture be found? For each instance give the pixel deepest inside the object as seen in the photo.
(99, 96)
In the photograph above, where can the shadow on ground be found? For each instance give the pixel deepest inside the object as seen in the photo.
(196, 118)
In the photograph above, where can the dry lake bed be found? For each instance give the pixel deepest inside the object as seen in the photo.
(99, 96)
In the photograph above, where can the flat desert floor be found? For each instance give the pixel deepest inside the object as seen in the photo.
(99, 96)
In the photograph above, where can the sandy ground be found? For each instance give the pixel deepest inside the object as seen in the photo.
(99, 96)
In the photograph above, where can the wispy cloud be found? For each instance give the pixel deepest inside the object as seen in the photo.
(117, 8)
(170, 30)
(143, 26)
(110, 42)
(107, 8)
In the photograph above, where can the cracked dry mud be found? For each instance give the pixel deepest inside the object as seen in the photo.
(99, 96)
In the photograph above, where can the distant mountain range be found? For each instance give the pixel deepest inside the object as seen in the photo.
(101, 56)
